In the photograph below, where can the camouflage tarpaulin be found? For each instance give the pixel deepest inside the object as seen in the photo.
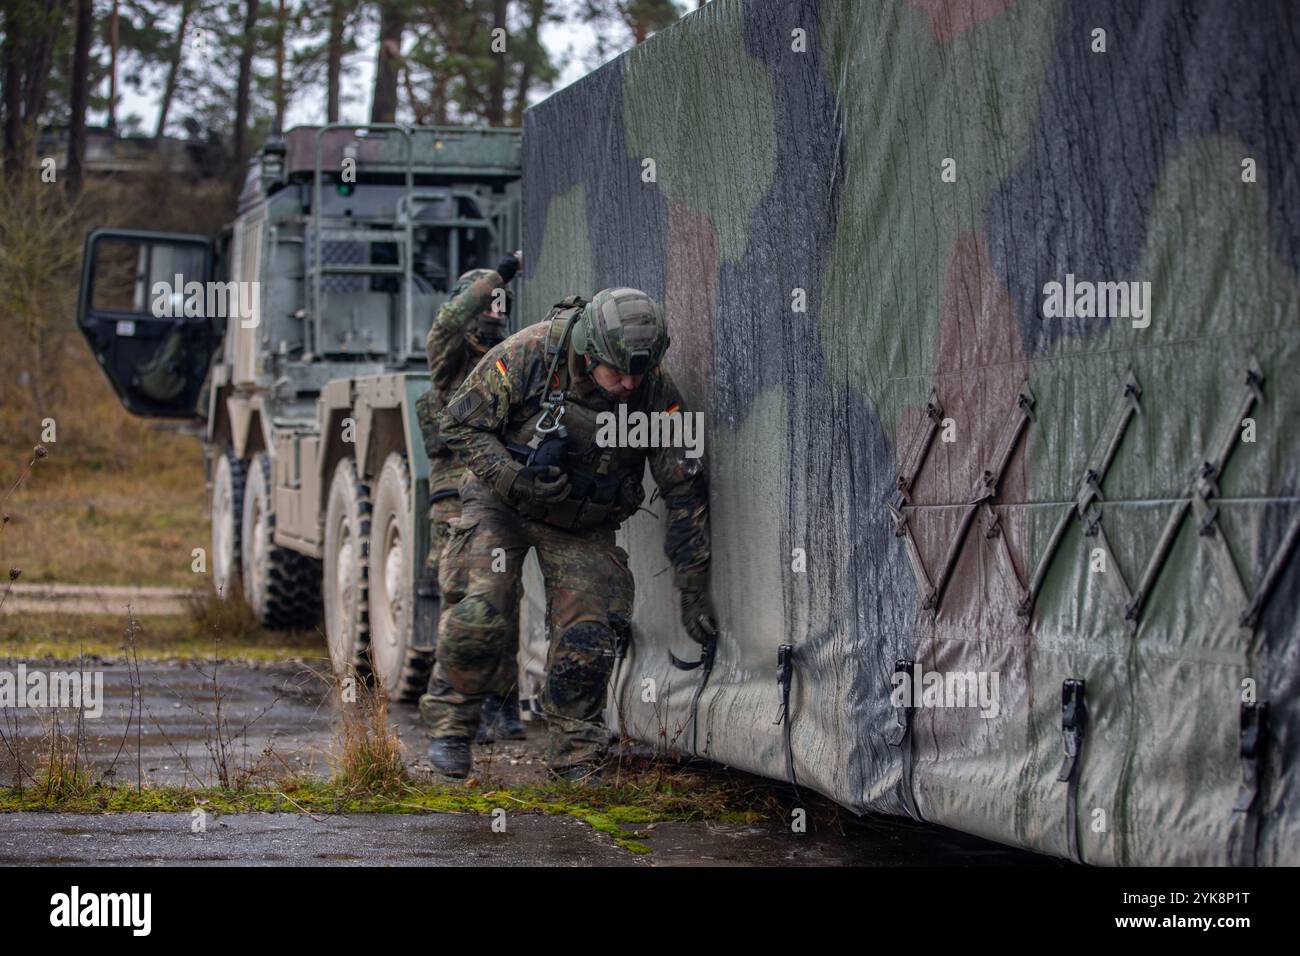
(855, 213)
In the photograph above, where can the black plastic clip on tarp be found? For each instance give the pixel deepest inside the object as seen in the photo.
(1074, 722)
(901, 737)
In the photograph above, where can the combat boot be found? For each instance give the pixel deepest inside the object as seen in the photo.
(487, 720)
(508, 724)
(499, 720)
(450, 755)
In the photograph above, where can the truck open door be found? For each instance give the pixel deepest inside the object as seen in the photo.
(143, 310)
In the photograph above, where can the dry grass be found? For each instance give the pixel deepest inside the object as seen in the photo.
(170, 637)
(367, 754)
(120, 500)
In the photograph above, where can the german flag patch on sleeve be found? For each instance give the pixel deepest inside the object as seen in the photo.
(501, 369)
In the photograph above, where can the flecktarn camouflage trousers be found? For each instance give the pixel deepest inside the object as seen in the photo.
(587, 584)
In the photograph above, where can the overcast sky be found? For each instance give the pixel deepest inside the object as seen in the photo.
(572, 45)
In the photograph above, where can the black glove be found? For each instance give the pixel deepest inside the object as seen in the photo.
(549, 484)
(507, 268)
(698, 616)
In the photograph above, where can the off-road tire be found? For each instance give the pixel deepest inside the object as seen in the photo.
(227, 511)
(345, 574)
(281, 586)
(399, 668)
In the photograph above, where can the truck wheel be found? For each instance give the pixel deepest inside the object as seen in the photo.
(347, 544)
(399, 668)
(281, 586)
(227, 510)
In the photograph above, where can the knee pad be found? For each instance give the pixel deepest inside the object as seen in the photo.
(469, 645)
(578, 675)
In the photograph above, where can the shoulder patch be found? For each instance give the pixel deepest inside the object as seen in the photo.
(465, 406)
(502, 371)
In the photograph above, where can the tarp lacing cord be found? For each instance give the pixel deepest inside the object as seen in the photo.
(985, 492)
(784, 680)
(1085, 506)
(901, 736)
(1074, 721)
(1202, 489)
(982, 498)
(901, 495)
(1199, 499)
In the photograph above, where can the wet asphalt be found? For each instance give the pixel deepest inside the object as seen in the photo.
(245, 721)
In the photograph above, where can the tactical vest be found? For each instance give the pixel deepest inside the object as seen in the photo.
(604, 483)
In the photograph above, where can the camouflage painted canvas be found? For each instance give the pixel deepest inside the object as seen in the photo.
(991, 306)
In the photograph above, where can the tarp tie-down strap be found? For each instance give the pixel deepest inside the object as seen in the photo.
(1085, 506)
(705, 664)
(1074, 721)
(1203, 487)
(1251, 737)
(901, 736)
(985, 492)
(784, 681)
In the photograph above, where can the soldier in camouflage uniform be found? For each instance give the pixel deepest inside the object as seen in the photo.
(468, 324)
(525, 420)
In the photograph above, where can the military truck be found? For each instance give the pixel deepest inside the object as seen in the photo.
(297, 337)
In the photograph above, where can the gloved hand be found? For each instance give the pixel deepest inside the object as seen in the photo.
(509, 266)
(698, 616)
(547, 485)
(551, 485)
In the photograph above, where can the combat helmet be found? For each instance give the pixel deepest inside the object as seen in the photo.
(624, 329)
(490, 329)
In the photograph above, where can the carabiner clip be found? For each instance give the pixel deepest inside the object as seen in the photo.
(554, 406)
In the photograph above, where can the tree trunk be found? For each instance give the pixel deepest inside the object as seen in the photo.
(383, 107)
(173, 69)
(38, 66)
(440, 100)
(496, 111)
(81, 95)
(335, 62)
(242, 91)
(112, 68)
(13, 101)
(535, 10)
(278, 126)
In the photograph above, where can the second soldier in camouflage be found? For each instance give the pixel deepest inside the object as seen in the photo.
(469, 323)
